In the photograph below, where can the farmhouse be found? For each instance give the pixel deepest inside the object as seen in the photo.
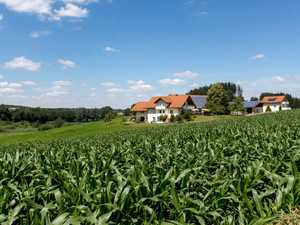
(166, 105)
(275, 102)
(253, 107)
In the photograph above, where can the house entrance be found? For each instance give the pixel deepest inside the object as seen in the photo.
(142, 119)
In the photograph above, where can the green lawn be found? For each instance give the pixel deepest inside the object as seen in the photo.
(87, 129)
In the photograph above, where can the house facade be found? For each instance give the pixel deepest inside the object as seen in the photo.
(163, 105)
(275, 102)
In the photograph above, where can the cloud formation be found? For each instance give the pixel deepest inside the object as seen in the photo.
(70, 10)
(62, 83)
(167, 82)
(277, 79)
(1, 17)
(109, 49)
(36, 34)
(28, 82)
(194, 85)
(109, 84)
(21, 63)
(66, 63)
(259, 56)
(188, 74)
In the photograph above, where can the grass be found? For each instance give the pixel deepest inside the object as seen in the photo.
(87, 129)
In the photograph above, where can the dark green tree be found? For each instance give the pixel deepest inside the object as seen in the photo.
(217, 99)
(237, 105)
(253, 99)
(110, 116)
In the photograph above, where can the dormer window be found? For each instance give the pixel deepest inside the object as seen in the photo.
(272, 99)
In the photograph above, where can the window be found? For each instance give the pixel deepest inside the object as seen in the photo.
(143, 112)
(274, 106)
(171, 111)
(163, 111)
(154, 118)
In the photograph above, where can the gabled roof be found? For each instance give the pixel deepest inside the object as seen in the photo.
(251, 104)
(140, 106)
(273, 99)
(199, 100)
(174, 101)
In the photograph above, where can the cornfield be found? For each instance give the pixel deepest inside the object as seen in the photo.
(237, 171)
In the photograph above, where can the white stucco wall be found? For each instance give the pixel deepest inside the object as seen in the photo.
(257, 110)
(144, 114)
(274, 107)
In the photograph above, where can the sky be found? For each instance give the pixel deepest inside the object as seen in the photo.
(96, 53)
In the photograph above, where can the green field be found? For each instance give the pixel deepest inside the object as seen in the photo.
(83, 130)
(238, 171)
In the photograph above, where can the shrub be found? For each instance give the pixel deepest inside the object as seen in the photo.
(268, 109)
(163, 118)
(194, 116)
(45, 127)
(178, 118)
(187, 116)
(10, 127)
(66, 125)
(58, 122)
(36, 124)
(172, 118)
(280, 108)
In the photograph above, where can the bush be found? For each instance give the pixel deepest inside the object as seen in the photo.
(268, 109)
(66, 125)
(187, 116)
(178, 118)
(36, 124)
(10, 127)
(163, 118)
(45, 127)
(194, 116)
(58, 122)
(280, 108)
(172, 118)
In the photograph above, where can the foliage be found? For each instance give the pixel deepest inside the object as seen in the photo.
(58, 122)
(280, 108)
(216, 99)
(232, 90)
(172, 119)
(237, 105)
(110, 116)
(268, 109)
(187, 115)
(254, 99)
(178, 118)
(127, 112)
(163, 118)
(237, 171)
(45, 127)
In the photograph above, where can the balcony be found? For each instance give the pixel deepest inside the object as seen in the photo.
(285, 103)
(160, 107)
(188, 107)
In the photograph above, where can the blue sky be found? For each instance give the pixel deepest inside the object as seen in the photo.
(93, 53)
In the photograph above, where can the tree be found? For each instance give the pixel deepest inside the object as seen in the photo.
(254, 99)
(94, 115)
(104, 111)
(268, 109)
(127, 112)
(280, 108)
(110, 116)
(237, 105)
(217, 99)
(163, 118)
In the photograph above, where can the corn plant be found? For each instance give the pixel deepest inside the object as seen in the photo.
(238, 171)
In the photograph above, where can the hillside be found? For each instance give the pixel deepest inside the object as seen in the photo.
(85, 130)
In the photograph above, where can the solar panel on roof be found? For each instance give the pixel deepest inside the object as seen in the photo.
(199, 101)
(251, 104)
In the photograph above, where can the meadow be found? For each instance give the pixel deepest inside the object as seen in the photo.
(237, 171)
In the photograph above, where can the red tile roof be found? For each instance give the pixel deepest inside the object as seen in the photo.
(273, 99)
(174, 101)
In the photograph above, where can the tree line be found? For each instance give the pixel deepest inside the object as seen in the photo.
(43, 115)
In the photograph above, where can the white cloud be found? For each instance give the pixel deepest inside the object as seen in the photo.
(277, 79)
(110, 1)
(1, 17)
(142, 96)
(201, 13)
(166, 82)
(1, 77)
(142, 87)
(63, 83)
(71, 10)
(15, 85)
(187, 73)
(194, 85)
(3, 84)
(29, 6)
(93, 88)
(130, 82)
(84, 84)
(36, 34)
(10, 90)
(92, 95)
(28, 82)
(80, 1)
(77, 28)
(109, 49)
(22, 63)
(109, 84)
(66, 63)
(259, 56)
(51, 94)
(117, 90)
(41, 89)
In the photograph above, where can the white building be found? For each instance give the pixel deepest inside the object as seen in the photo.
(162, 105)
(275, 102)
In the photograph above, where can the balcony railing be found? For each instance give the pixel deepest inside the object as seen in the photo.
(160, 107)
(284, 103)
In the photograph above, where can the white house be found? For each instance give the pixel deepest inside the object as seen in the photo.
(162, 105)
(275, 102)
